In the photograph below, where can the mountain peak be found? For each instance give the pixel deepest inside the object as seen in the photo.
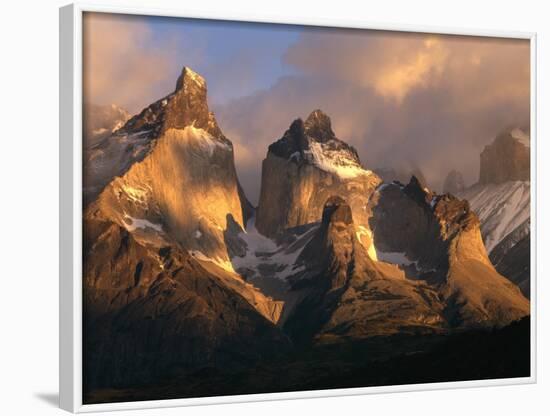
(415, 183)
(188, 105)
(189, 77)
(309, 156)
(506, 159)
(318, 126)
(417, 191)
(314, 141)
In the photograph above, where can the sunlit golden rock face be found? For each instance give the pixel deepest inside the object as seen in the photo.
(186, 186)
(306, 167)
(160, 293)
(182, 192)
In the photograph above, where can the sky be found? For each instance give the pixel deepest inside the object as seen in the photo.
(402, 99)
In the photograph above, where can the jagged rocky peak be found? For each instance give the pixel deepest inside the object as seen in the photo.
(314, 141)
(454, 183)
(183, 115)
(189, 79)
(176, 177)
(417, 190)
(507, 158)
(303, 169)
(318, 126)
(187, 106)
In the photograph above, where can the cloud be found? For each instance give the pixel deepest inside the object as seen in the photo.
(390, 63)
(396, 82)
(395, 64)
(122, 62)
(400, 99)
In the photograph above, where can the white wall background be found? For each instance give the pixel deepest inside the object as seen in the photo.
(29, 207)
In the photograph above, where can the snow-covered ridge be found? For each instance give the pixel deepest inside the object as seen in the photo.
(339, 162)
(501, 208)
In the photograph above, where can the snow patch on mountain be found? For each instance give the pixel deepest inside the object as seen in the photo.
(263, 255)
(201, 139)
(133, 224)
(501, 208)
(337, 162)
(395, 258)
(224, 264)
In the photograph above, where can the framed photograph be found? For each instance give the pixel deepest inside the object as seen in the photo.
(258, 209)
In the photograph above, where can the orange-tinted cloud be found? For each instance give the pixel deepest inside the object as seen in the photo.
(395, 81)
(395, 63)
(121, 65)
(433, 101)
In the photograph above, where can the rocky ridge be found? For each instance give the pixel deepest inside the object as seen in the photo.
(501, 199)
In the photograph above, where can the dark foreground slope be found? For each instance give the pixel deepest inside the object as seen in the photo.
(470, 355)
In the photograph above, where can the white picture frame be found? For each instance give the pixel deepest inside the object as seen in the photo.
(70, 153)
